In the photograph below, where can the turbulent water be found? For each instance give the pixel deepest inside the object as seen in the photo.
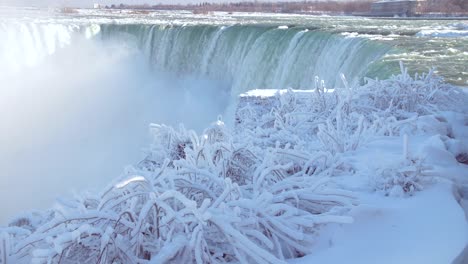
(79, 89)
(253, 50)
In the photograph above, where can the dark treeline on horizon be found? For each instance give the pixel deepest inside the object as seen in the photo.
(316, 6)
(271, 7)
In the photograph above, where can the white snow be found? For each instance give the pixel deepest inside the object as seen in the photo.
(359, 174)
(266, 93)
(427, 228)
(130, 180)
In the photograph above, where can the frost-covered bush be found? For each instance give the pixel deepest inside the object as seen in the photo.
(194, 199)
(403, 96)
(403, 178)
(259, 194)
(343, 130)
(342, 119)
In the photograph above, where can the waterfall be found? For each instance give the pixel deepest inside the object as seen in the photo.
(244, 56)
(252, 56)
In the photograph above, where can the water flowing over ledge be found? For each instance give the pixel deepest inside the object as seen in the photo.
(420, 44)
(241, 56)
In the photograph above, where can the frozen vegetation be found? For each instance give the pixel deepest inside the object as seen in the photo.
(364, 171)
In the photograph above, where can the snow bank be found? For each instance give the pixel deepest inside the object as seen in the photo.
(427, 228)
(296, 170)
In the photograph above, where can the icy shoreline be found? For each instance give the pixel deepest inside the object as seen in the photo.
(361, 173)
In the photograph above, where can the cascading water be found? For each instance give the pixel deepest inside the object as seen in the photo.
(251, 57)
(244, 57)
(27, 44)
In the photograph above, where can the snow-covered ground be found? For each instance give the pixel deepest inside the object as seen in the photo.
(368, 174)
(427, 228)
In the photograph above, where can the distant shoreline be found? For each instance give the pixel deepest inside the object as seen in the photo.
(364, 8)
(431, 17)
(420, 18)
(298, 13)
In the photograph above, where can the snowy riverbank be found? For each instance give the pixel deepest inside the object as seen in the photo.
(361, 173)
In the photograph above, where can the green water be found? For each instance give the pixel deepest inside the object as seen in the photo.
(252, 50)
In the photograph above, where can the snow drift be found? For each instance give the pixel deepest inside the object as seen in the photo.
(260, 193)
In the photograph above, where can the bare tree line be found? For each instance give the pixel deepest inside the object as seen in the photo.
(315, 6)
(443, 6)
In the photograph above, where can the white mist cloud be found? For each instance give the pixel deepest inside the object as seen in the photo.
(76, 119)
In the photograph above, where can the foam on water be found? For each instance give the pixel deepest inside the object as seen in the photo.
(454, 30)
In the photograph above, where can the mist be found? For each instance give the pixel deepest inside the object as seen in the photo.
(72, 121)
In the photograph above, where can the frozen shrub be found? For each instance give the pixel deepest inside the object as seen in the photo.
(343, 131)
(217, 199)
(404, 178)
(169, 143)
(404, 96)
(259, 194)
